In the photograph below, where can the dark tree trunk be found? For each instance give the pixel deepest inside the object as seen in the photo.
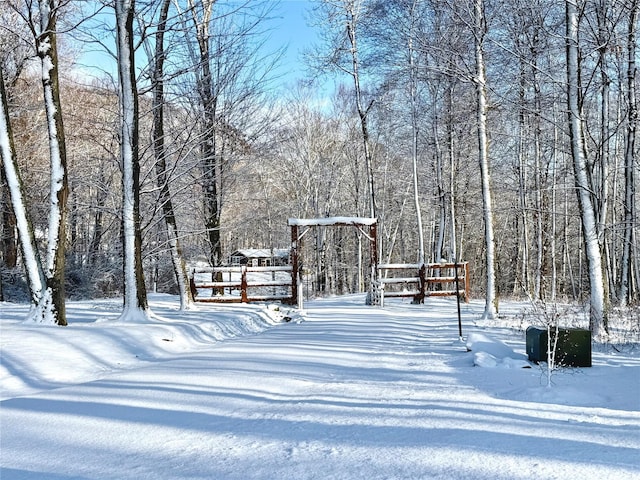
(179, 266)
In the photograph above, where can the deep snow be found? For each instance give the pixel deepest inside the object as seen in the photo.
(342, 391)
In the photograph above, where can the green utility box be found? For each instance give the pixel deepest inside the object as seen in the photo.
(573, 348)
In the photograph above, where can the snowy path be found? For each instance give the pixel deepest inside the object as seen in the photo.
(351, 392)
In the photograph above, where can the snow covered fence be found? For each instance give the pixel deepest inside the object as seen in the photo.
(244, 284)
(418, 280)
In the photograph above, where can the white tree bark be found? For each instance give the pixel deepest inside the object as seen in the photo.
(587, 209)
(30, 255)
(51, 306)
(352, 9)
(413, 74)
(135, 295)
(490, 309)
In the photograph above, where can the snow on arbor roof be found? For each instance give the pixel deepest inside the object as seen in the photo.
(314, 222)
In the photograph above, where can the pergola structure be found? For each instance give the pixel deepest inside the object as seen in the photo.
(300, 227)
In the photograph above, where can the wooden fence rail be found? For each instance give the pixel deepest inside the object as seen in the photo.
(245, 284)
(421, 280)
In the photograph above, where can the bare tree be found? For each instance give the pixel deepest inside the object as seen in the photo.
(135, 294)
(480, 29)
(160, 153)
(51, 307)
(598, 311)
(230, 68)
(14, 53)
(42, 21)
(415, 129)
(31, 258)
(342, 19)
(629, 158)
(201, 13)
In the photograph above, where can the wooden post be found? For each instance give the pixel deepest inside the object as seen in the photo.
(422, 273)
(467, 283)
(455, 265)
(294, 264)
(243, 285)
(192, 285)
(373, 250)
(373, 255)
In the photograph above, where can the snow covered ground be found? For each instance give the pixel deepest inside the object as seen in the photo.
(341, 391)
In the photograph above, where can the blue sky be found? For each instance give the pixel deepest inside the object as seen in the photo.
(291, 29)
(288, 27)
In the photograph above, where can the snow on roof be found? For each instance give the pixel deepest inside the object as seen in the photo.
(261, 252)
(313, 222)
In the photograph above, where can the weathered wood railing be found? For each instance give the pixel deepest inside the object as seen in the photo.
(245, 284)
(421, 280)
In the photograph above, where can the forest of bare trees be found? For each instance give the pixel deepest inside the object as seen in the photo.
(500, 133)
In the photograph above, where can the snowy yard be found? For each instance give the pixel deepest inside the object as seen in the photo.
(342, 391)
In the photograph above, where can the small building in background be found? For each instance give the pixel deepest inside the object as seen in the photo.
(260, 257)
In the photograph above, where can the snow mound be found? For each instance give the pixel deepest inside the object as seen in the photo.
(491, 353)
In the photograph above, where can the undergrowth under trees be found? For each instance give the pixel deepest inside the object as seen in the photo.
(256, 155)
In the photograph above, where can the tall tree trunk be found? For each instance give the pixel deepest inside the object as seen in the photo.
(98, 221)
(598, 302)
(51, 307)
(135, 293)
(30, 256)
(8, 226)
(602, 167)
(209, 155)
(540, 204)
(521, 256)
(352, 10)
(490, 309)
(629, 160)
(441, 195)
(452, 171)
(177, 259)
(413, 93)
(554, 217)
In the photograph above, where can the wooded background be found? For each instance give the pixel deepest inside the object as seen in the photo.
(237, 154)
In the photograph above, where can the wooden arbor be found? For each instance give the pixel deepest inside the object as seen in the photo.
(299, 228)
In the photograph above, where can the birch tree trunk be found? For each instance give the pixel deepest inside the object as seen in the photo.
(522, 250)
(598, 310)
(490, 308)
(30, 255)
(51, 306)
(452, 170)
(413, 92)
(554, 216)
(177, 259)
(539, 187)
(135, 294)
(352, 11)
(629, 160)
(441, 193)
(602, 167)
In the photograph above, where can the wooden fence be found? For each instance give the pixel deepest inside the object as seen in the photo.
(420, 280)
(243, 284)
